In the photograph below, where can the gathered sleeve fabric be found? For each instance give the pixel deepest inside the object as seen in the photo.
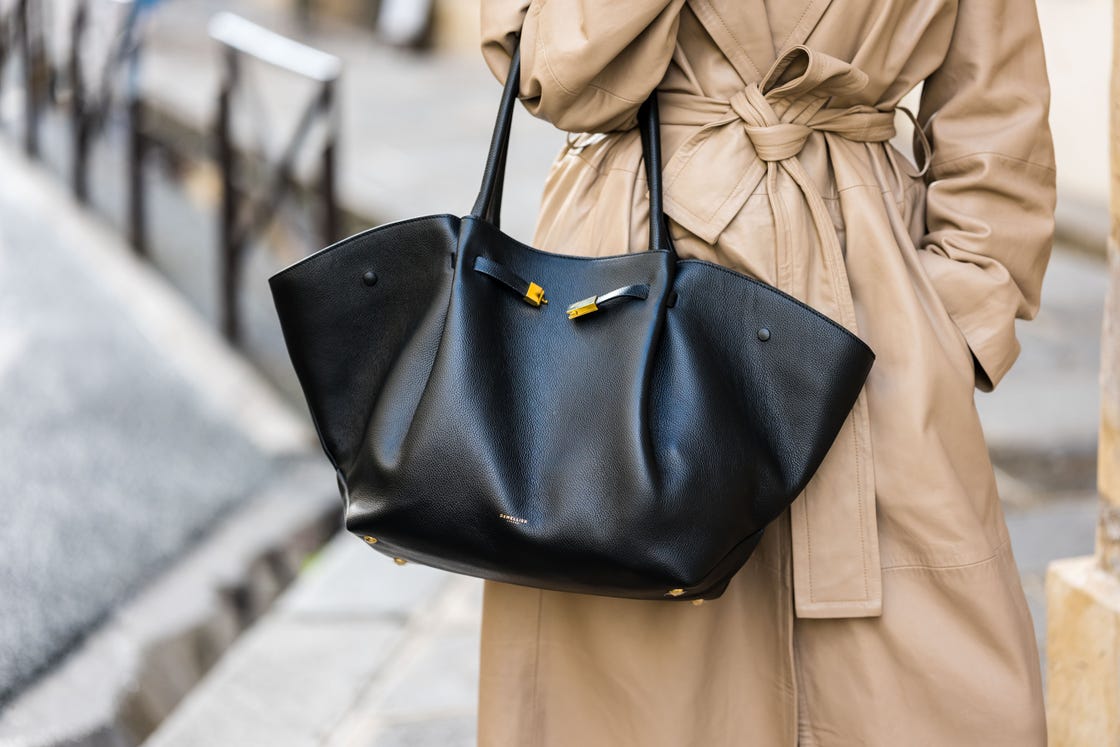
(586, 65)
(991, 188)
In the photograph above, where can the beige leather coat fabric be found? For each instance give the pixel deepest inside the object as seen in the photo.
(884, 608)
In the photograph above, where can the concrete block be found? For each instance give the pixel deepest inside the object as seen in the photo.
(1083, 654)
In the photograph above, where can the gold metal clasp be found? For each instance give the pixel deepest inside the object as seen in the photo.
(586, 306)
(535, 294)
(602, 300)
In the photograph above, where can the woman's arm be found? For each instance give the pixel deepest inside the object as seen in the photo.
(586, 65)
(990, 201)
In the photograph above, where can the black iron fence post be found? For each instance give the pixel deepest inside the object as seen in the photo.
(79, 117)
(328, 168)
(5, 44)
(229, 264)
(27, 29)
(245, 214)
(137, 152)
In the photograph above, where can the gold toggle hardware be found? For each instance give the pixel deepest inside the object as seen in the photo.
(370, 540)
(586, 306)
(399, 561)
(637, 291)
(535, 294)
(674, 592)
(697, 602)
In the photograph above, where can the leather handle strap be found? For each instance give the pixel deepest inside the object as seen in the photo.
(649, 125)
(488, 205)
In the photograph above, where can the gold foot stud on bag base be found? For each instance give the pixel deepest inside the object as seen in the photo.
(373, 541)
(678, 592)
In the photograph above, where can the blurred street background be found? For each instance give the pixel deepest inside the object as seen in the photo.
(171, 571)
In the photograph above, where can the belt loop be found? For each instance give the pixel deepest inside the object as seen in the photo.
(927, 151)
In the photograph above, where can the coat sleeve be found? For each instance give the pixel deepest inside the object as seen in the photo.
(586, 65)
(991, 184)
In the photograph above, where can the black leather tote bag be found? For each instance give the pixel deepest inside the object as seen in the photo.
(623, 425)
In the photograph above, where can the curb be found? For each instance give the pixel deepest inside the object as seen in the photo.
(359, 651)
(128, 675)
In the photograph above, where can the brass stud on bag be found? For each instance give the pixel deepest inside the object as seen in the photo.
(534, 295)
(399, 561)
(370, 540)
(584, 307)
(674, 592)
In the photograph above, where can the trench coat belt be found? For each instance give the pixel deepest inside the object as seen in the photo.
(752, 136)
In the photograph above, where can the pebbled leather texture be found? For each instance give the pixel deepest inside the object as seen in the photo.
(628, 452)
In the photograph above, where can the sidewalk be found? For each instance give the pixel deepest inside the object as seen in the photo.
(360, 653)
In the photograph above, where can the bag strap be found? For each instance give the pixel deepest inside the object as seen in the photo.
(488, 205)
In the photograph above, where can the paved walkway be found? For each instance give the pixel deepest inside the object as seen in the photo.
(360, 653)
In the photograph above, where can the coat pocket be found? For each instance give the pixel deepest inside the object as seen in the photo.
(947, 332)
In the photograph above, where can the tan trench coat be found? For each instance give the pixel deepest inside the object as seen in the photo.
(884, 608)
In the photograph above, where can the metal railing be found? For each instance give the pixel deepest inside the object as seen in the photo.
(21, 30)
(93, 98)
(243, 214)
(90, 107)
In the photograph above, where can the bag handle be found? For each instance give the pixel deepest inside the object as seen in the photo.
(488, 205)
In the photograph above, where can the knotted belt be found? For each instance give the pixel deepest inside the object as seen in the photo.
(757, 134)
